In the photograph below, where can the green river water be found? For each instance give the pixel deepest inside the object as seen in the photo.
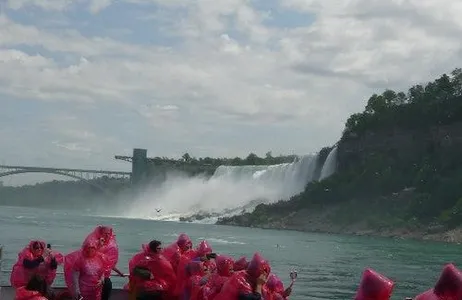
(329, 266)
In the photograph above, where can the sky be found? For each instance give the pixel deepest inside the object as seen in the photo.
(84, 80)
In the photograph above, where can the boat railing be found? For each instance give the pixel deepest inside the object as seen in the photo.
(1, 258)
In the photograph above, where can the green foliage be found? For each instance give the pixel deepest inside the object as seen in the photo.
(399, 162)
(436, 103)
(208, 165)
(427, 157)
(452, 217)
(251, 159)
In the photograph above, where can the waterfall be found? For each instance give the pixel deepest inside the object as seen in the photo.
(330, 165)
(286, 180)
(229, 191)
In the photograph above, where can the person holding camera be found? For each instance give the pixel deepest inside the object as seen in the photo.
(34, 259)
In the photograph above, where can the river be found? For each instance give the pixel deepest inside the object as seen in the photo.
(329, 266)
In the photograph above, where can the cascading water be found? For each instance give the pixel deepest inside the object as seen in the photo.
(230, 190)
(284, 180)
(330, 165)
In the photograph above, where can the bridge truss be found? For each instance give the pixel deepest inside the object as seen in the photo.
(81, 174)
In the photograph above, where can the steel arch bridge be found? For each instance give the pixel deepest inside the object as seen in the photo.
(85, 175)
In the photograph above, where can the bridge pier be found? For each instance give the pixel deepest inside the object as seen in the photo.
(139, 165)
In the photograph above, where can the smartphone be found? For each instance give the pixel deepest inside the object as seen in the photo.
(293, 275)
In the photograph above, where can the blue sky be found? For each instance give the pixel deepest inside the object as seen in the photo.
(82, 81)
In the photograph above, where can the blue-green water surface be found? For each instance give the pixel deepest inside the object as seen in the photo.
(329, 266)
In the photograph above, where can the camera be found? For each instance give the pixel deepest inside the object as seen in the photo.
(211, 255)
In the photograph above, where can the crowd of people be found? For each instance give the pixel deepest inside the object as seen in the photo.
(177, 272)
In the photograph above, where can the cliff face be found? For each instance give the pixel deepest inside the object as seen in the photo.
(389, 182)
(400, 145)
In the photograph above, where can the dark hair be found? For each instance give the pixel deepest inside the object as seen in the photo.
(211, 255)
(37, 283)
(154, 244)
(37, 245)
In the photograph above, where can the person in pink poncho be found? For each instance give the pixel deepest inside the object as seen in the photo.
(35, 259)
(374, 286)
(195, 272)
(275, 288)
(225, 268)
(84, 271)
(151, 274)
(241, 264)
(107, 244)
(182, 246)
(200, 254)
(36, 289)
(448, 287)
(248, 284)
(204, 253)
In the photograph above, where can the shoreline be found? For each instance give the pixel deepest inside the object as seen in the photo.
(453, 236)
(376, 217)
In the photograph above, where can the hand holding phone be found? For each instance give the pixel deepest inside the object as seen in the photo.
(293, 275)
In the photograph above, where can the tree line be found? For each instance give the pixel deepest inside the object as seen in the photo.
(251, 159)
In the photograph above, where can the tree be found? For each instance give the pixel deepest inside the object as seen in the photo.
(389, 97)
(353, 123)
(444, 88)
(186, 157)
(251, 159)
(376, 104)
(416, 93)
(401, 98)
(457, 81)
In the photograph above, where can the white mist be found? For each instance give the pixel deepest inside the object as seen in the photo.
(230, 190)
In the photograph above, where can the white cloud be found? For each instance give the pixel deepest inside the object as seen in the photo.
(54, 5)
(214, 76)
(98, 5)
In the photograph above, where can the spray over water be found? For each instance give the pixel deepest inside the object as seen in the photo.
(231, 190)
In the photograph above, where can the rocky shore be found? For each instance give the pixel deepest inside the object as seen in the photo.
(449, 236)
(335, 220)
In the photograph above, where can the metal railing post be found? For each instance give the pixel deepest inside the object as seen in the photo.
(1, 256)
(1, 259)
